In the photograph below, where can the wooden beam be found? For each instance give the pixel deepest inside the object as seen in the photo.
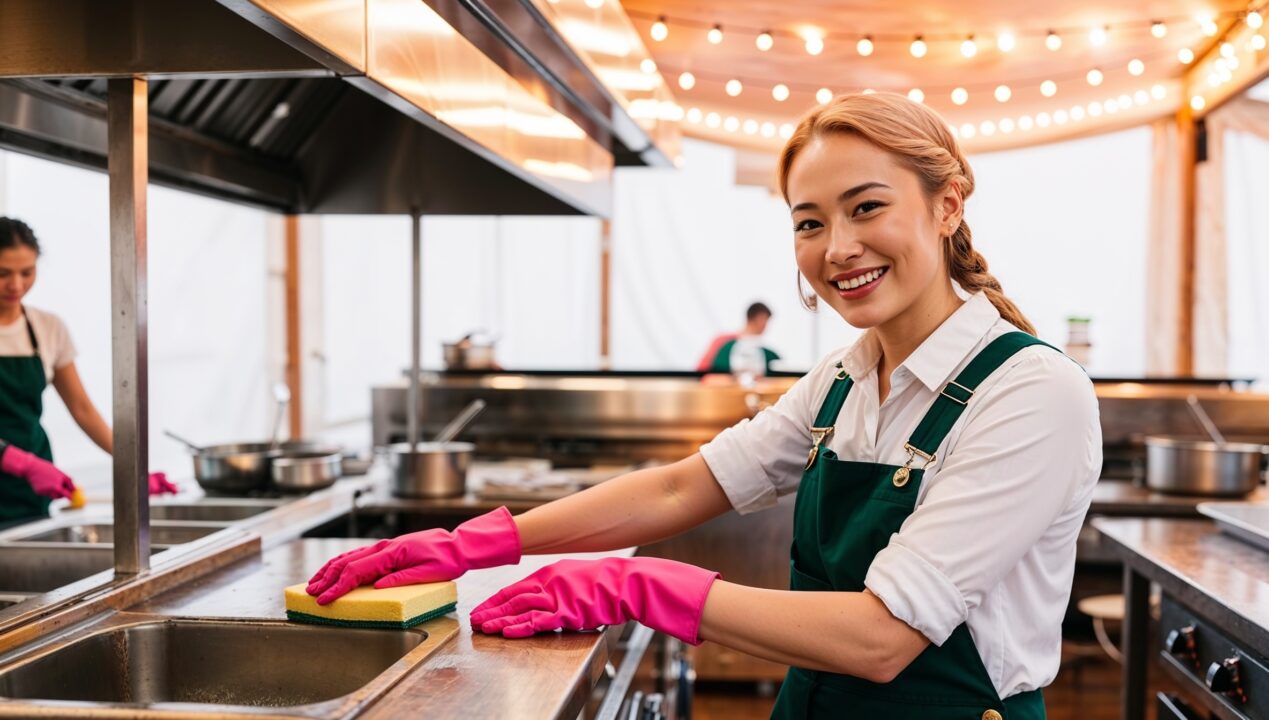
(1187, 170)
(294, 351)
(605, 295)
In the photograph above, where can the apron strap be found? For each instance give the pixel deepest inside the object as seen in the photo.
(955, 396)
(835, 399)
(30, 332)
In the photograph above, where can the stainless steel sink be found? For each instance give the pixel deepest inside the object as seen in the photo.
(162, 535)
(39, 568)
(270, 664)
(214, 512)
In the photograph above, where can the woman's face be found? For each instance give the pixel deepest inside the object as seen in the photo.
(17, 274)
(866, 237)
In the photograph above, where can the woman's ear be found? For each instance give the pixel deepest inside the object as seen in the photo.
(951, 208)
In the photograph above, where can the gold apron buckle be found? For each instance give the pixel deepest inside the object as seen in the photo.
(819, 436)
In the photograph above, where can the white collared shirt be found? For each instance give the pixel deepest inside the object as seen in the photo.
(991, 542)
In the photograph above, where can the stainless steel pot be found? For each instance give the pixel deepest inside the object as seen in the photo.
(1192, 466)
(430, 470)
(240, 468)
(467, 355)
(307, 470)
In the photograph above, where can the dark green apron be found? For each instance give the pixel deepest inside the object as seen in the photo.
(22, 386)
(722, 359)
(845, 513)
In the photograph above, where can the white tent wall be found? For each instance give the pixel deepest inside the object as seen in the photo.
(1247, 254)
(207, 329)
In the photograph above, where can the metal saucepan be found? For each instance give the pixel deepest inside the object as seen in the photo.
(473, 352)
(1196, 466)
(439, 468)
(307, 470)
(237, 468)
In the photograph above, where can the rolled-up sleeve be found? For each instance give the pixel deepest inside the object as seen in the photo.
(1027, 454)
(758, 460)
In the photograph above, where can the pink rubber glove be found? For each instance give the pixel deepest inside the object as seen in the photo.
(44, 477)
(583, 594)
(421, 557)
(159, 485)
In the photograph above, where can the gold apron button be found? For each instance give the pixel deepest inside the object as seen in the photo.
(992, 715)
(901, 477)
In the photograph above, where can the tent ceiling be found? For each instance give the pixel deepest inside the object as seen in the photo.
(945, 25)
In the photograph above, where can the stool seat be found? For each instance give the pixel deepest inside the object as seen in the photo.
(1103, 607)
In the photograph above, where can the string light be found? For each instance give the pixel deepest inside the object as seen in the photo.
(660, 31)
(751, 127)
(1136, 67)
(864, 47)
(687, 81)
(1048, 88)
(1227, 49)
(1006, 125)
(1097, 36)
(915, 95)
(764, 42)
(733, 87)
(1006, 42)
(1003, 93)
(969, 48)
(1158, 92)
(768, 130)
(918, 47)
(731, 124)
(1077, 113)
(648, 65)
(814, 44)
(1094, 77)
(713, 120)
(594, 4)
(960, 96)
(1258, 42)
(1185, 56)
(1255, 20)
(823, 96)
(1197, 102)
(1159, 29)
(715, 35)
(780, 92)
(1053, 41)
(1208, 25)
(694, 115)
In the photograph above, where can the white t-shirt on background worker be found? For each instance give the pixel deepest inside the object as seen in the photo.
(56, 348)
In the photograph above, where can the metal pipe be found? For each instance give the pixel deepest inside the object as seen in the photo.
(416, 330)
(127, 162)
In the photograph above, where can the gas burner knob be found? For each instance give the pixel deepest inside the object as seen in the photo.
(1180, 644)
(1222, 677)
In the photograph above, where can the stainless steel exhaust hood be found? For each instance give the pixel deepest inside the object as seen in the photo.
(326, 106)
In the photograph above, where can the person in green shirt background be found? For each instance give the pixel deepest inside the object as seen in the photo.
(717, 359)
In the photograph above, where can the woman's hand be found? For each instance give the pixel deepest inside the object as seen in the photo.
(160, 485)
(44, 477)
(584, 594)
(428, 556)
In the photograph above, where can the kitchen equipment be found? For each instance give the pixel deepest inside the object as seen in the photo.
(474, 352)
(281, 394)
(238, 468)
(460, 423)
(431, 470)
(1200, 414)
(307, 470)
(1195, 466)
(191, 446)
(1247, 521)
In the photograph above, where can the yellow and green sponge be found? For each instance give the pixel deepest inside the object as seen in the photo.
(391, 608)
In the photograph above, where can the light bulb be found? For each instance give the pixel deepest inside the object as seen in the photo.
(780, 92)
(660, 30)
(864, 46)
(1185, 56)
(768, 130)
(1158, 29)
(1158, 92)
(1003, 93)
(1255, 20)
(1006, 125)
(987, 128)
(594, 4)
(1060, 117)
(960, 95)
(1141, 97)
(1077, 113)
(751, 127)
(731, 124)
(694, 115)
(1094, 109)
(1094, 77)
(733, 87)
(1053, 41)
(1005, 41)
(1124, 101)
(1227, 49)
(918, 47)
(1048, 88)
(1257, 42)
(814, 44)
(1025, 123)
(713, 120)
(1097, 36)
(969, 48)
(1136, 67)
(648, 65)
(764, 42)
(1208, 25)
(687, 81)
(1043, 120)
(968, 130)
(1197, 102)
(823, 96)
(915, 95)
(715, 35)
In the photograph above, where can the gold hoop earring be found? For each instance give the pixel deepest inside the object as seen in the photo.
(809, 300)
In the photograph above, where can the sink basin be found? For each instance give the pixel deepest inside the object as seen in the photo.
(251, 663)
(105, 533)
(35, 568)
(215, 512)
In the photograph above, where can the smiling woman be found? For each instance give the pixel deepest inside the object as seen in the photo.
(946, 417)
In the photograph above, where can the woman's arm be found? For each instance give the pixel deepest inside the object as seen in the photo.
(66, 380)
(638, 508)
(791, 628)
